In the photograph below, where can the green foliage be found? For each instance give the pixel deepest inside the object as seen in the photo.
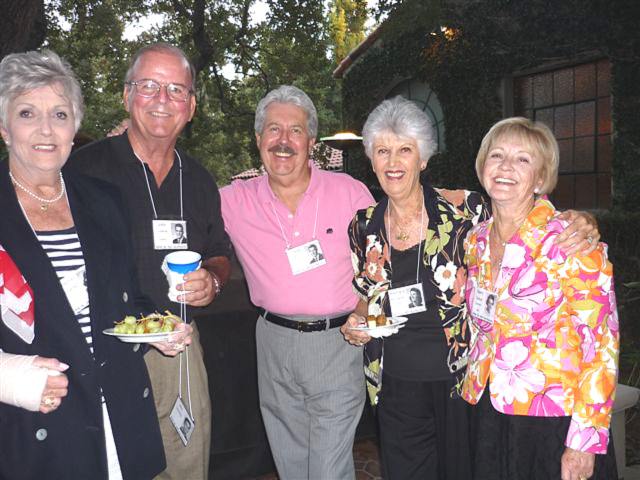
(97, 54)
(291, 46)
(484, 42)
(346, 23)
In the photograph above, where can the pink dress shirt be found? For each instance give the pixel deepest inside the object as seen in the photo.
(252, 217)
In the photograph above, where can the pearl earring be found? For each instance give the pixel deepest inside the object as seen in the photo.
(536, 190)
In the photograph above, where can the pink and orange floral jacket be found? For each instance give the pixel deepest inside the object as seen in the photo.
(552, 349)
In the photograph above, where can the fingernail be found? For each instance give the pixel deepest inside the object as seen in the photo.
(63, 366)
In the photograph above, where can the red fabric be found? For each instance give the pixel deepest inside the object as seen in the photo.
(17, 285)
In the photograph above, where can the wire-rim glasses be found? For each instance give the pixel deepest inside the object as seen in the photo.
(149, 88)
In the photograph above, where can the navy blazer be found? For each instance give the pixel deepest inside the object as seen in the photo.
(69, 442)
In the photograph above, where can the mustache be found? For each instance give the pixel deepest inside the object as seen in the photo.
(282, 149)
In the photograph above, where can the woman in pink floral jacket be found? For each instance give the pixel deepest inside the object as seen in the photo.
(544, 324)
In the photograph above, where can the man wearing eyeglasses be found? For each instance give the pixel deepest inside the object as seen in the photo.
(163, 186)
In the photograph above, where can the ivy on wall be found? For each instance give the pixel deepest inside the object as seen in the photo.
(485, 41)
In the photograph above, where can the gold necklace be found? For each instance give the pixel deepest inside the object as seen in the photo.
(401, 235)
(498, 237)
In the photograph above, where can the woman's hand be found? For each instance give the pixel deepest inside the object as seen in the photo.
(355, 337)
(577, 465)
(57, 383)
(581, 235)
(177, 341)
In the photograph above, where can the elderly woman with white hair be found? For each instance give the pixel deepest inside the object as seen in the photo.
(412, 239)
(543, 361)
(74, 403)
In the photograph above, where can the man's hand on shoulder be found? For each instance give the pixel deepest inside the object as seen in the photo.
(454, 197)
(581, 235)
(119, 129)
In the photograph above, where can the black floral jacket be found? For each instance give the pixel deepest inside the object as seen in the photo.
(452, 213)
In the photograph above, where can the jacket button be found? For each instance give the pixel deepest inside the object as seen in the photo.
(125, 297)
(145, 392)
(41, 434)
(136, 347)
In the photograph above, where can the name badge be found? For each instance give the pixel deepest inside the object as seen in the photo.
(305, 257)
(484, 305)
(182, 421)
(406, 300)
(170, 234)
(74, 284)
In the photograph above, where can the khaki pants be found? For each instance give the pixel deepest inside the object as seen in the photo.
(190, 462)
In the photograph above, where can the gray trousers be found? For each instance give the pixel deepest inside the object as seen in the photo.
(312, 393)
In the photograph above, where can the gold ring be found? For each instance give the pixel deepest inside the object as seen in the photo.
(48, 402)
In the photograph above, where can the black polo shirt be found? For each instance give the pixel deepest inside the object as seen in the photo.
(112, 159)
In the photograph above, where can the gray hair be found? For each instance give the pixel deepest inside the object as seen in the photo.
(159, 47)
(23, 72)
(294, 96)
(404, 119)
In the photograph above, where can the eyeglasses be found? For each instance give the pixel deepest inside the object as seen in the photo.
(148, 88)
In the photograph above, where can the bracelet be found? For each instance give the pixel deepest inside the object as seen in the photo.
(216, 283)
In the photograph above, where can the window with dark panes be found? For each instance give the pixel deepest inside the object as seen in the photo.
(575, 103)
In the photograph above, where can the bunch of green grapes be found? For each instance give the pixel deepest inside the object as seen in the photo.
(154, 323)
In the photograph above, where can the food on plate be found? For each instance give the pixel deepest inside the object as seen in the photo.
(374, 321)
(153, 323)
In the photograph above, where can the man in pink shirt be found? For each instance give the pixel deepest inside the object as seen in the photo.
(310, 380)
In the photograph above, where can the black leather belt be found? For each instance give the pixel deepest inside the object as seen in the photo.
(314, 326)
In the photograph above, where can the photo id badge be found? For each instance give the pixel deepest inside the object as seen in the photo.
(406, 300)
(74, 284)
(182, 421)
(484, 305)
(170, 234)
(305, 257)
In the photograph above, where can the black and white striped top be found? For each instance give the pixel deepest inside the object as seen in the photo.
(65, 252)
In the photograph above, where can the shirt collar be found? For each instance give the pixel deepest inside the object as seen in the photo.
(265, 192)
(125, 152)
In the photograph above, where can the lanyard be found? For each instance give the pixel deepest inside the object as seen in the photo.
(419, 243)
(146, 177)
(183, 318)
(286, 241)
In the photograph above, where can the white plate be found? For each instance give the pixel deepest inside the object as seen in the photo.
(396, 323)
(138, 338)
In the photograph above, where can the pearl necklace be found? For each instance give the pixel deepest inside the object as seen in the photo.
(44, 202)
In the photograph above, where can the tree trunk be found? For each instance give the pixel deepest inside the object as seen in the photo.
(23, 26)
